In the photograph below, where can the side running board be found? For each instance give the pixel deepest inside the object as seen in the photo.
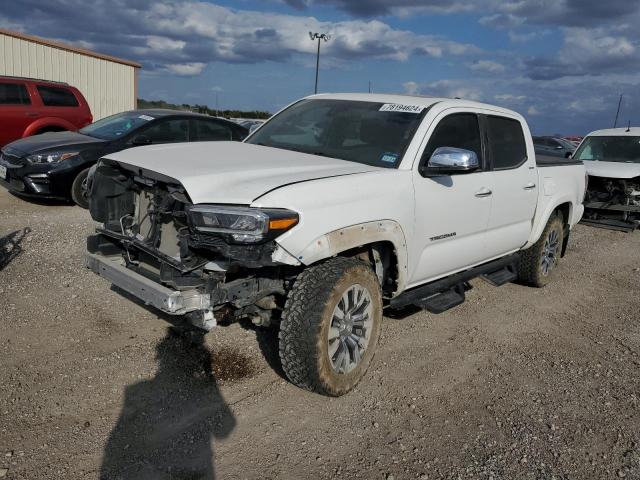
(449, 292)
(505, 275)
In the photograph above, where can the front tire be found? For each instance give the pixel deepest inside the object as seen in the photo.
(538, 262)
(79, 190)
(330, 326)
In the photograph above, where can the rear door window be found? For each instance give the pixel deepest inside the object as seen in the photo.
(168, 131)
(506, 143)
(14, 94)
(57, 97)
(210, 131)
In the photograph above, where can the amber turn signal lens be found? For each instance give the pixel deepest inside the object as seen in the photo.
(282, 223)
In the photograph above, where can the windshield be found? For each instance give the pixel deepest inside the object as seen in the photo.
(365, 132)
(117, 125)
(610, 149)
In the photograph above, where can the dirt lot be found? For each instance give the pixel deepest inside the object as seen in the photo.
(515, 383)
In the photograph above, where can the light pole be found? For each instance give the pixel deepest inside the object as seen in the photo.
(318, 36)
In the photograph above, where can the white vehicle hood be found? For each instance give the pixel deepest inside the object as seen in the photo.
(233, 172)
(612, 169)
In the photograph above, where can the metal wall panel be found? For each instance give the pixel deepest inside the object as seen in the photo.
(109, 87)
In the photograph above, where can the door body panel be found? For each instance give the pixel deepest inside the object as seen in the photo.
(515, 188)
(14, 115)
(450, 224)
(515, 194)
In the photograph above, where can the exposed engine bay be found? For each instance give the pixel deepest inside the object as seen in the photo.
(218, 260)
(612, 203)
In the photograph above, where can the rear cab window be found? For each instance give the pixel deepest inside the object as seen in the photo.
(57, 96)
(506, 144)
(14, 94)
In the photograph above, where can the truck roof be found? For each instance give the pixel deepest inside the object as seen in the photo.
(421, 100)
(616, 132)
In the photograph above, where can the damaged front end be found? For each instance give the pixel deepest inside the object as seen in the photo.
(612, 203)
(213, 263)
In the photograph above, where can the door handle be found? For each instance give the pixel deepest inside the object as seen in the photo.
(529, 186)
(484, 192)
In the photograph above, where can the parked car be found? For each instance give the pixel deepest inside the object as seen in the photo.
(389, 200)
(612, 160)
(30, 107)
(553, 147)
(575, 141)
(251, 124)
(56, 165)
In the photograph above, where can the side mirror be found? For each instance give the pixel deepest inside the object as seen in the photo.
(141, 140)
(450, 160)
(568, 155)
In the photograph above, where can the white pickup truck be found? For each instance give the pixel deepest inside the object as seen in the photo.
(337, 207)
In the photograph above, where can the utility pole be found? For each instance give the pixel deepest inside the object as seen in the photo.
(615, 122)
(217, 104)
(318, 36)
(369, 86)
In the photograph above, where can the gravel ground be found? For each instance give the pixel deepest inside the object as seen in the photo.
(515, 383)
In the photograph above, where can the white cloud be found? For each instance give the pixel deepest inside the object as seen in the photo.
(532, 110)
(444, 88)
(186, 69)
(487, 66)
(527, 37)
(508, 98)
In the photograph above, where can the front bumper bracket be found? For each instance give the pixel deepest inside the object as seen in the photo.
(170, 301)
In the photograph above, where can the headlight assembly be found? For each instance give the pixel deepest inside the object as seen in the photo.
(241, 224)
(51, 157)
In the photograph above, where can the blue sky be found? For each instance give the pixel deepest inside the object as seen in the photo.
(561, 63)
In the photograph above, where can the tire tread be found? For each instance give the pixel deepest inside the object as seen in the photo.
(302, 321)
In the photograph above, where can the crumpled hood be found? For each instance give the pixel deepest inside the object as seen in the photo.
(612, 169)
(232, 172)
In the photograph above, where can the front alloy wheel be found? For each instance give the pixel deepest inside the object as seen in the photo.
(330, 326)
(350, 329)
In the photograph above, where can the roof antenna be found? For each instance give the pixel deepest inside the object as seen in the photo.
(629, 126)
(615, 122)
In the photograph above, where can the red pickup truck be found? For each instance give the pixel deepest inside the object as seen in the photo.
(29, 107)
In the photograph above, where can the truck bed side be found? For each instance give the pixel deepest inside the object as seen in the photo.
(561, 182)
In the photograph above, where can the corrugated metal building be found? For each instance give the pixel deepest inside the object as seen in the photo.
(109, 84)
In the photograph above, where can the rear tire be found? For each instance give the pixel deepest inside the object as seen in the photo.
(79, 192)
(330, 326)
(538, 262)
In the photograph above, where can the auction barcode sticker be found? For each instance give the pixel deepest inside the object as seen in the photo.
(398, 107)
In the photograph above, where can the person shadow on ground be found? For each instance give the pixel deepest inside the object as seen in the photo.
(167, 423)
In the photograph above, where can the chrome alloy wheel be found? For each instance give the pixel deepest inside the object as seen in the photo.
(550, 252)
(350, 328)
(84, 188)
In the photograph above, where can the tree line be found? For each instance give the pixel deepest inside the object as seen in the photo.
(142, 103)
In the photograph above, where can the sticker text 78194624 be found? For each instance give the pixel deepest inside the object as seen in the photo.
(399, 107)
